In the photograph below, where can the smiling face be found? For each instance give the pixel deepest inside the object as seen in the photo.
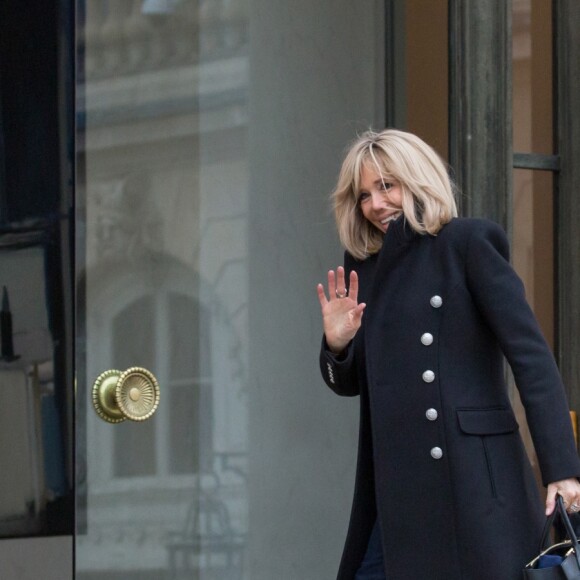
(380, 198)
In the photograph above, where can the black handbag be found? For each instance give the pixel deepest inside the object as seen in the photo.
(560, 561)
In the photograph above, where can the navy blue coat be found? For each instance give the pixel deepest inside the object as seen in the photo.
(440, 461)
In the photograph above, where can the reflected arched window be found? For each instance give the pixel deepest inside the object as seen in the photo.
(172, 336)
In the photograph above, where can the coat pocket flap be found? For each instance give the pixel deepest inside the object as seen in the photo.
(487, 421)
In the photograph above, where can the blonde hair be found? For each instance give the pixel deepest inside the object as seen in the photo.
(428, 196)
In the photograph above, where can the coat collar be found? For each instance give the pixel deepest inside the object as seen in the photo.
(396, 243)
(398, 234)
(401, 230)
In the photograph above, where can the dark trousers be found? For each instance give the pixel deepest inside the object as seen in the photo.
(372, 567)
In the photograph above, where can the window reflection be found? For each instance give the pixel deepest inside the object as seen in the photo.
(191, 186)
(419, 70)
(35, 490)
(533, 191)
(532, 42)
(533, 133)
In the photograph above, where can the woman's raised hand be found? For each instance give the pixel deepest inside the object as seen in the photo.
(341, 313)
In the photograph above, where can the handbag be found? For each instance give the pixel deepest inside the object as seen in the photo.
(560, 561)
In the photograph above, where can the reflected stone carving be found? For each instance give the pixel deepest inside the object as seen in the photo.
(127, 223)
(125, 37)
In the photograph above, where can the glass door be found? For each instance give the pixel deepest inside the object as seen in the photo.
(209, 134)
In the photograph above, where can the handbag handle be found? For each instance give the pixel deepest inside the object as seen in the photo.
(561, 510)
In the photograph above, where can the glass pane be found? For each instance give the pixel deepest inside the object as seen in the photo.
(134, 441)
(532, 76)
(533, 259)
(36, 365)
(420, 70)
(35, 407)
(140, 346)
(185, 347)
(210, 134)
(533, 242)
(185, 440)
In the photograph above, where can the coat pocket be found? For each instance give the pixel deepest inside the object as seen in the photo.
(487, 424)
(487, 421)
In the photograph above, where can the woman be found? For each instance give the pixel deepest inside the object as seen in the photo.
(417, 323)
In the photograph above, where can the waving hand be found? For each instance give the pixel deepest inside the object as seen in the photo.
(341, 312)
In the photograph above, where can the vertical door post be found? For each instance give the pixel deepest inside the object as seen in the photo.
(480, 147)
(567, 32)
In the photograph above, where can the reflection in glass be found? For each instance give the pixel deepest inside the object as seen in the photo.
(203, 159)
(35, 490)
(533, 242)
(533, 195)
(533, 260)
(420, 70)
(532, 76)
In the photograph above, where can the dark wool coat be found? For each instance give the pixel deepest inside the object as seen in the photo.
(440, 460)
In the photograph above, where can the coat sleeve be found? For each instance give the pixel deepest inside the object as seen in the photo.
(499, 295)
(339, 371)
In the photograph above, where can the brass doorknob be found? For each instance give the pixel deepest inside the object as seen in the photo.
(133, 394)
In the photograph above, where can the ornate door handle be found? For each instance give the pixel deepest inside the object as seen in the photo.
(133, 394)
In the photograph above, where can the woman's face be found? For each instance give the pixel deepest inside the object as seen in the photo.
(380, 199)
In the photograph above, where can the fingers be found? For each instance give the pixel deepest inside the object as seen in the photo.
(353, 286)
(331, 285)
(321, 295)
(340, 283)
(551, 499)
(572, 502)
(569, 489)
(357, 314)
(337, 286)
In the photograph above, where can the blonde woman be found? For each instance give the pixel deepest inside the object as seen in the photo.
(417, 323)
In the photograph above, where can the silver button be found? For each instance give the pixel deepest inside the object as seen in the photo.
(427, 339)
(431, 414)
(436, 453)
(428, 376)
(436, 301)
